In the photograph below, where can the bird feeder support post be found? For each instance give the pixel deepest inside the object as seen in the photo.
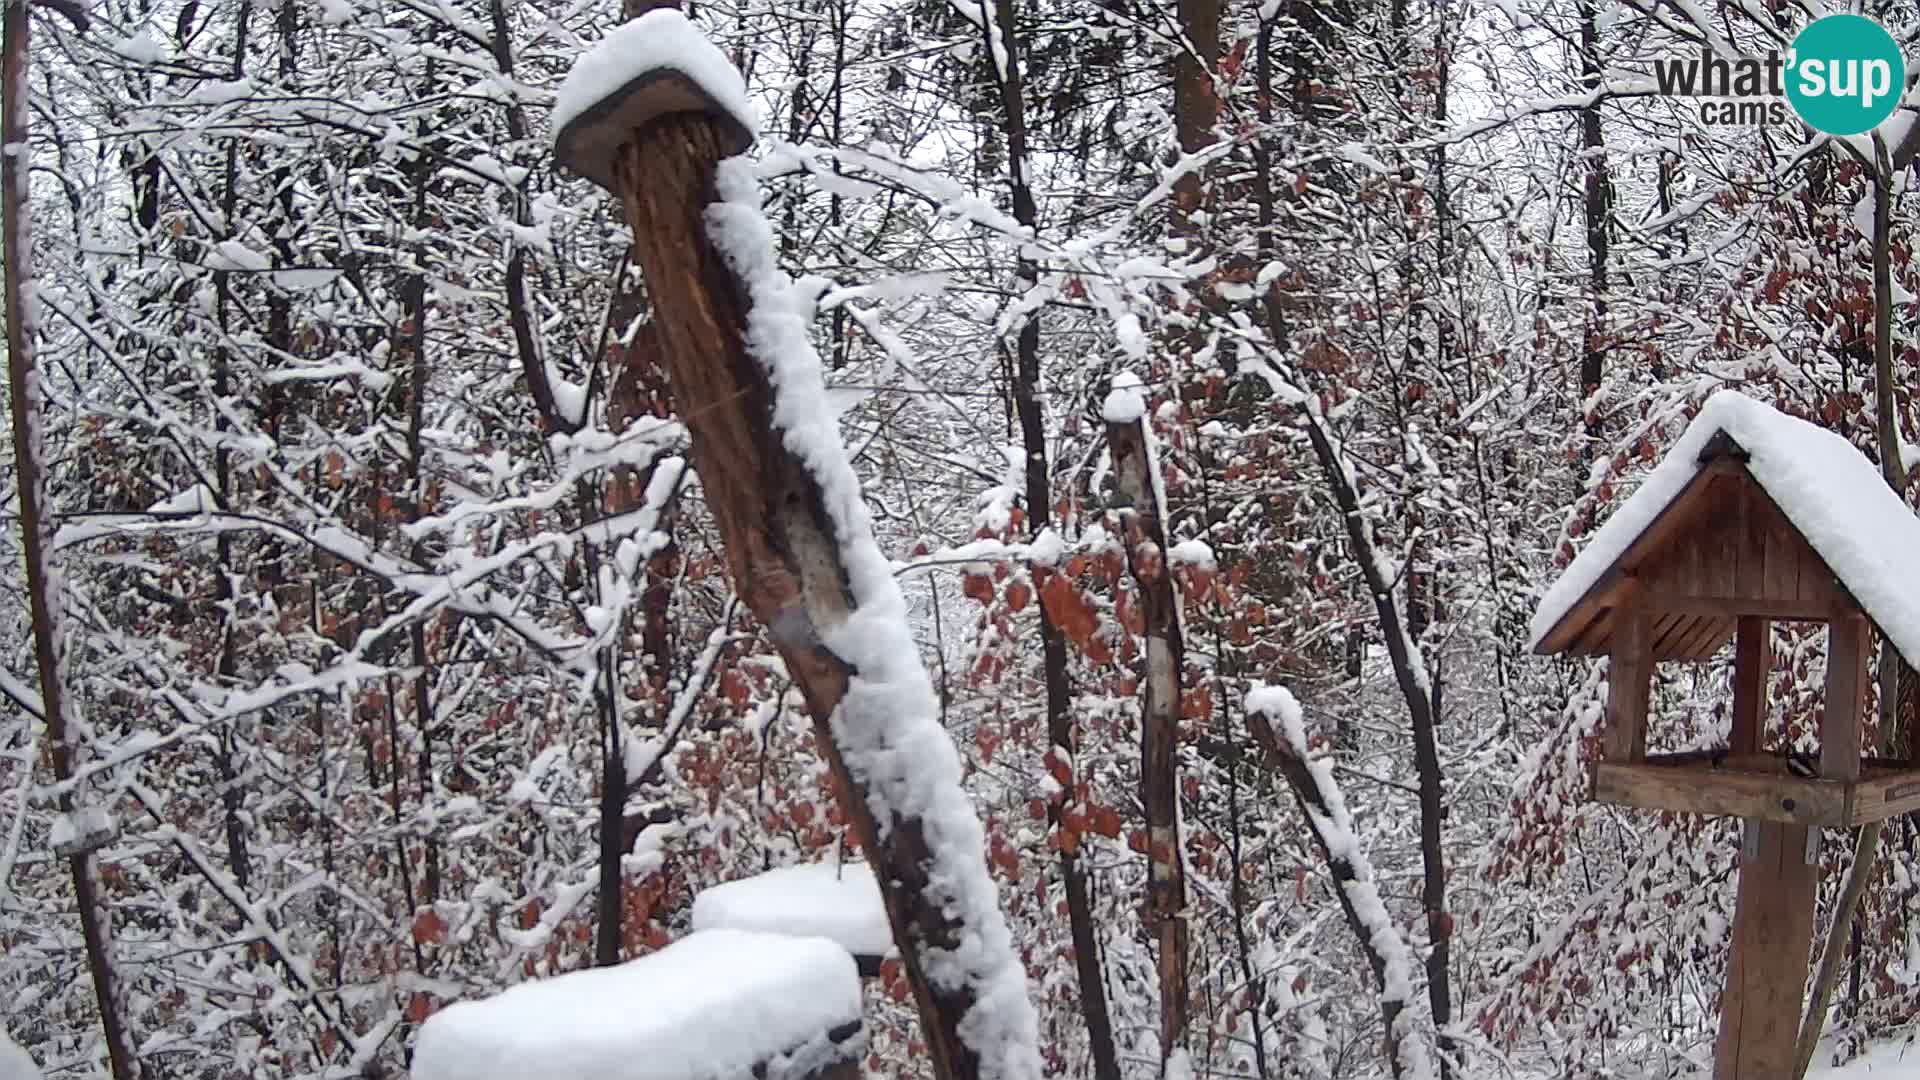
(1752, 658)
(1848, 645)
(1628, 682)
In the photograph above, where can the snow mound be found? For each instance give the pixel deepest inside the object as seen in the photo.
(15, 1064)
(708, 1007)
(1126, 400)
(840, 903)
(661, 38)
(1829, 491)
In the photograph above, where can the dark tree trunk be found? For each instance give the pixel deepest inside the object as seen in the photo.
(27, 397)
(1053, 646)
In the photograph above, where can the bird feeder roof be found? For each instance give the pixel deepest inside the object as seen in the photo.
(1811, 481)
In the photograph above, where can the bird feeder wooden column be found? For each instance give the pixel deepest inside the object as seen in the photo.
(656, 143)
(1708, 560)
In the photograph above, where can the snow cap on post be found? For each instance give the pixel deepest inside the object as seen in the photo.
(657, 65)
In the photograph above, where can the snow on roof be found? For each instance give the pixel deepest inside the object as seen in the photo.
(840, 903)
(1831, 493)
(708, 1007)
(661, 38)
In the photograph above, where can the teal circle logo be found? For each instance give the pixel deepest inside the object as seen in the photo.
(1845, 74)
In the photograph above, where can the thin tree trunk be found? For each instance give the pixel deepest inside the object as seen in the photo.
(1053, 646)
(1145, 539)
(36, 529)
(1598, 203)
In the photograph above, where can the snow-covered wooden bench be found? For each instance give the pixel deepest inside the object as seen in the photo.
(839, 903)
(715, 1005)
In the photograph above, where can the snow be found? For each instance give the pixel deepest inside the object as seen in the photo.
(888, 724)
(1126, 402)
(841, 903)
(661, 38)
(1830, 492)
(1888, 1061)
(87, 825)
(142, 47)
(711, 1005)
(234, 255)
(1192, 553)
(15, 1063)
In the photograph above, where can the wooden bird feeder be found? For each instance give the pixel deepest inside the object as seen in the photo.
(1753, 517)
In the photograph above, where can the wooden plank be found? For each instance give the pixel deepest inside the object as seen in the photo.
(1885, 795)
(1755, 513)
(1594, 639)
(1752, 659)
(1700, 788)
(1848, 643)
(1783, 563)
(1629, 679)
(1707, 638)
(1767, 970)
(1666, 633)
(1720, 544)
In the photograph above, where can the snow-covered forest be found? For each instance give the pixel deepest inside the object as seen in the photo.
(1224, 383)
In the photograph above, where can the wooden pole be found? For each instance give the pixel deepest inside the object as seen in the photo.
(780, 544)
(1767, 971)
(1629, 679)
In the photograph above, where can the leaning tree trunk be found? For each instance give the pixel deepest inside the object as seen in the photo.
(801, 554)
(780, 542)
(36, 530)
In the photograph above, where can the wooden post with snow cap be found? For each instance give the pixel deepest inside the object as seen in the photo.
(1136, 473)
(651, 114)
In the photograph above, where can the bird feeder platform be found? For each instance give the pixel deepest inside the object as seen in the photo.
(1758, 786)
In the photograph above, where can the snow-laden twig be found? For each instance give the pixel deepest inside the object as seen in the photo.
(1332, 823)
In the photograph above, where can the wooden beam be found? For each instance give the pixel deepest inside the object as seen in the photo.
(1700, 788)
(1847, 650)
(1886, 795)
(1767, 971)
(1629, 681)
(1752, 659)
(1732, 607)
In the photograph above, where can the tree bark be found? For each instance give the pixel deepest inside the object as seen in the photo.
(1598, 201)
(36, 529)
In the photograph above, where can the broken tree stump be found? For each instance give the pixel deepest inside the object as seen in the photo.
(801, 556)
